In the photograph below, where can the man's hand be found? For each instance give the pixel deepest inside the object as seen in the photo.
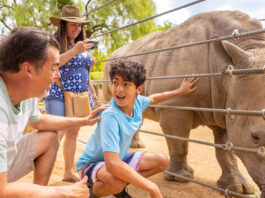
(186, 86)
(78, 190)
(93, 117)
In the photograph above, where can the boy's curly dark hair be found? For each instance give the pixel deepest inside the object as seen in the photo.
(129, 70)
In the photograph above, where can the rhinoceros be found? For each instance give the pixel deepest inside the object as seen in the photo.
(245, 92)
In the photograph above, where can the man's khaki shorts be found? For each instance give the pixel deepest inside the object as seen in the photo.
(24, 160)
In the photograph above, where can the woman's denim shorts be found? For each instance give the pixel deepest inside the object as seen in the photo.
(54, 107)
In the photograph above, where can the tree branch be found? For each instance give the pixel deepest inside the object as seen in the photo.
(95, 28)
(4, 23)
(87, 5)
(99, 27)
(6, 6)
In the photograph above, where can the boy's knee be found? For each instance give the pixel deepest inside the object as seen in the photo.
(116, 185)
(163, 162)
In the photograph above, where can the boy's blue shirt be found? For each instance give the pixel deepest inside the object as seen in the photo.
(114, 132)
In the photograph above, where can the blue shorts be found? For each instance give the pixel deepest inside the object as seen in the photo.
(54, 107)
(91, 169)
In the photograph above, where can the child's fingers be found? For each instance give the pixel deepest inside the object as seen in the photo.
(193, 89)
(84, 180)
(193, 80)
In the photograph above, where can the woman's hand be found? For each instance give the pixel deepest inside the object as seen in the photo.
(95, 98)
(82, 46)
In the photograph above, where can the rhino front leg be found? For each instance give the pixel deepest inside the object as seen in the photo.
(136, 141)
(231, 178)
(177, 124)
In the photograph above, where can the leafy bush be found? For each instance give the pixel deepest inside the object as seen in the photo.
(96, 75)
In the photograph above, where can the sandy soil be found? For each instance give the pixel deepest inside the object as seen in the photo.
(201, 158)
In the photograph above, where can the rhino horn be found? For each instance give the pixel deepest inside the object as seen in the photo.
(238, 55)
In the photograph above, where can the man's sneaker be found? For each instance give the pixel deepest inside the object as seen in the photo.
(123, 194)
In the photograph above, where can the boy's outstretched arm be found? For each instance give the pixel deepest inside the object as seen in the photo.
(116, 167)
(185, 88)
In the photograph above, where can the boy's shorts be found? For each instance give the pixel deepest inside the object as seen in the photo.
(23, 162)
(91, 169)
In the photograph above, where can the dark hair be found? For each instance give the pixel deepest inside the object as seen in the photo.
(129, 70)
(25, 44)
(61, 35)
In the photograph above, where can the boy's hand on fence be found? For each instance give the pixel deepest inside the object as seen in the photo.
(94, 117)
(187, 86)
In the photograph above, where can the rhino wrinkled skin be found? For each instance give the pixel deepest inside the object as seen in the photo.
(245, 92)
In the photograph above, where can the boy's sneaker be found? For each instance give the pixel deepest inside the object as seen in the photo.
(123, 194)
(91, 195)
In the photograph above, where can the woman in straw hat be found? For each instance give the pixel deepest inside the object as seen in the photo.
(75, 64)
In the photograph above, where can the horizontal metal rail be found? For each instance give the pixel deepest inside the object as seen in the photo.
(152, 17)
(228, 146)
(232, 36)
(230, 72)
(226, 192)
(228, 111)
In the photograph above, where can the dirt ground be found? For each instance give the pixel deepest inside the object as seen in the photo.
(201, 158)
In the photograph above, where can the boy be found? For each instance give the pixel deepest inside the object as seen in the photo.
(105, 159)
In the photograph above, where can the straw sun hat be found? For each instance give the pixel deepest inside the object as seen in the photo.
(71, 14)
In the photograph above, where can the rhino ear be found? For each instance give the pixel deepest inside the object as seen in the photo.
(238, 55)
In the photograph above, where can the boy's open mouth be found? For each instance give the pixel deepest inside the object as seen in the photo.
(120, 97)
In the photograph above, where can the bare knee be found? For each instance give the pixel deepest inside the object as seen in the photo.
(47, 142)
(72, 134)
(53, 141)
(163, 162)
(116, 185)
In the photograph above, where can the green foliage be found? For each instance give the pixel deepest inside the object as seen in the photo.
(30, 13)
(118, 14)
(96, 75)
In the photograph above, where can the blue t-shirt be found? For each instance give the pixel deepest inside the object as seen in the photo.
(114, 132)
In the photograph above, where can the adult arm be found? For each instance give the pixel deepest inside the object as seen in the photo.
(79, 47)
(55, 123)
(92, 90)
(25, 190)
(185, 88)
(124, 172)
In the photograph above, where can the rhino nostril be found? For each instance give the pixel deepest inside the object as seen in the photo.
(255, 137)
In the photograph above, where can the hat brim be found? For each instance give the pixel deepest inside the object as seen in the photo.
(56, 21)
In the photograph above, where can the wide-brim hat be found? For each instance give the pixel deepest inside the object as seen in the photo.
(71, 14)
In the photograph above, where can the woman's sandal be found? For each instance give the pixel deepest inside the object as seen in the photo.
(71, 178)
